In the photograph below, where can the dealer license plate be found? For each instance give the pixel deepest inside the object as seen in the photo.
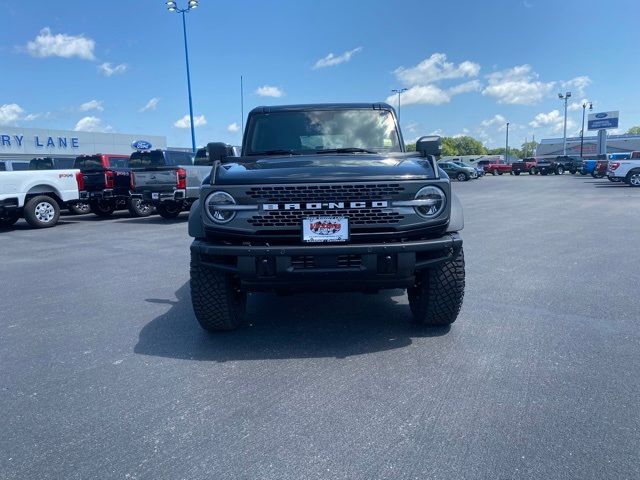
(325, 229)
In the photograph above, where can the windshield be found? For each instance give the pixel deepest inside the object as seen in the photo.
(308, 132)
(147, 159)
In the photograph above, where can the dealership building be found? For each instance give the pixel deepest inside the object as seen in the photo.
(615, 144)
(26, 143)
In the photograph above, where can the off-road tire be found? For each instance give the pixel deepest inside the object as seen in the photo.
(217, 302)
(138, 208)
(516, 173)
(8, 219)
(41, 211)
(560, 170)
(169, 209)
(102, 209)
(495, 172)
(500, 173)
(437, 298)
(78, 208)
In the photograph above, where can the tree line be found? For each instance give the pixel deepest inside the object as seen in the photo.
(466, 145)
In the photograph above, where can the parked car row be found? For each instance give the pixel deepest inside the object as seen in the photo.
(620, 167)
(162, 181)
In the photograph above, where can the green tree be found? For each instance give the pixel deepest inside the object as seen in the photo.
(634, 130)
(513, 152)
(410, 147)
(529, 148)
(449, 147)
(468, 146)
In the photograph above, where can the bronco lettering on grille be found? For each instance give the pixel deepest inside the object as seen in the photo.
(324, 205)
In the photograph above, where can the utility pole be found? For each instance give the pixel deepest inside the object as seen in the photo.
(399, 91)
(565, 97)
(506, 148)
(584, 107)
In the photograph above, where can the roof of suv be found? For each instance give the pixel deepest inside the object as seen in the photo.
(322, 106)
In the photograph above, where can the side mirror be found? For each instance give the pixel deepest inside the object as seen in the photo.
(429, 145)
(219, 151)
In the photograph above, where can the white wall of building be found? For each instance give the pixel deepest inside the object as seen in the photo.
(22, 143)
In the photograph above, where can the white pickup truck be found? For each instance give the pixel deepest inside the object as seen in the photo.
(36, 195)
(627, 170)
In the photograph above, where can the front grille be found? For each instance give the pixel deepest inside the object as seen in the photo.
(306, 262)
(322, 193)
(357, 216)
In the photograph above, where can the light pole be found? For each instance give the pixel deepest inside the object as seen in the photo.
(399, 91)
(584, 107)
(565, 97)
(172, 7)
(506, 148)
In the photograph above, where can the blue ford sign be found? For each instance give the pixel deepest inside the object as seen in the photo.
(141, 145)
(603, 120)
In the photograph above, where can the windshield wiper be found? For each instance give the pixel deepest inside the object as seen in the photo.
(345, 150)
(276, 152)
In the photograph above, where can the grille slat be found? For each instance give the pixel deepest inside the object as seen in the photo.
(293, 218)
(334, 193)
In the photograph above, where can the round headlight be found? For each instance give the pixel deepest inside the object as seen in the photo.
(434, 202)
(213, 204)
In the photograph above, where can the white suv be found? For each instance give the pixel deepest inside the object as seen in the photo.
(627, 170)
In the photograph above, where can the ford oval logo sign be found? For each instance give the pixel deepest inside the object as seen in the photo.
(601, 115)
(141, 145)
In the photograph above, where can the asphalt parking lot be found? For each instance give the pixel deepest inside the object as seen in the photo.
(105, 373)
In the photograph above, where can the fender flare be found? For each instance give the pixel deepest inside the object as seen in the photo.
(456, 220)
(196, 229)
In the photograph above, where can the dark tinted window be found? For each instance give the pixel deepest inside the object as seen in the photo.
(19, 166)
(118, 162)
(63, 162)
(93, 162)
(202, 157)
(179, 158)
(41, 164)
(147, 159)
(3, 167)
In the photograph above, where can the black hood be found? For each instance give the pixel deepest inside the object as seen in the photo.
(324, 168)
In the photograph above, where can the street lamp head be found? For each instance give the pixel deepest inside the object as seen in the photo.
(590, 106)
(193, 4)
(171, 6)
(560, 96)
(568, 94)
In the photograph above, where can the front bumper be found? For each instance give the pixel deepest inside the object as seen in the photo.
(8, 205)
(327, 267)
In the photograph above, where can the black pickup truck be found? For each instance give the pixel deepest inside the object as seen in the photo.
(325, 197)
(106, 180)
(568, 164)
(159, 178)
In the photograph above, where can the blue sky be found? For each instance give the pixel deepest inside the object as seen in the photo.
(470, 66)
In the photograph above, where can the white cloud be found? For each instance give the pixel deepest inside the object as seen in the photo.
(108, 70)
(10, 113)
(496, 121)
(331, 59)
(233, 128)
(151, 105)
(518, 85)
(92, 124)
(269, 91)
(184, 122)
(92, 105)
(463, 133)
(553, 121)
(471, 86)
(436, 68)
(429, 94)
(47, 44)
(577, 85)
